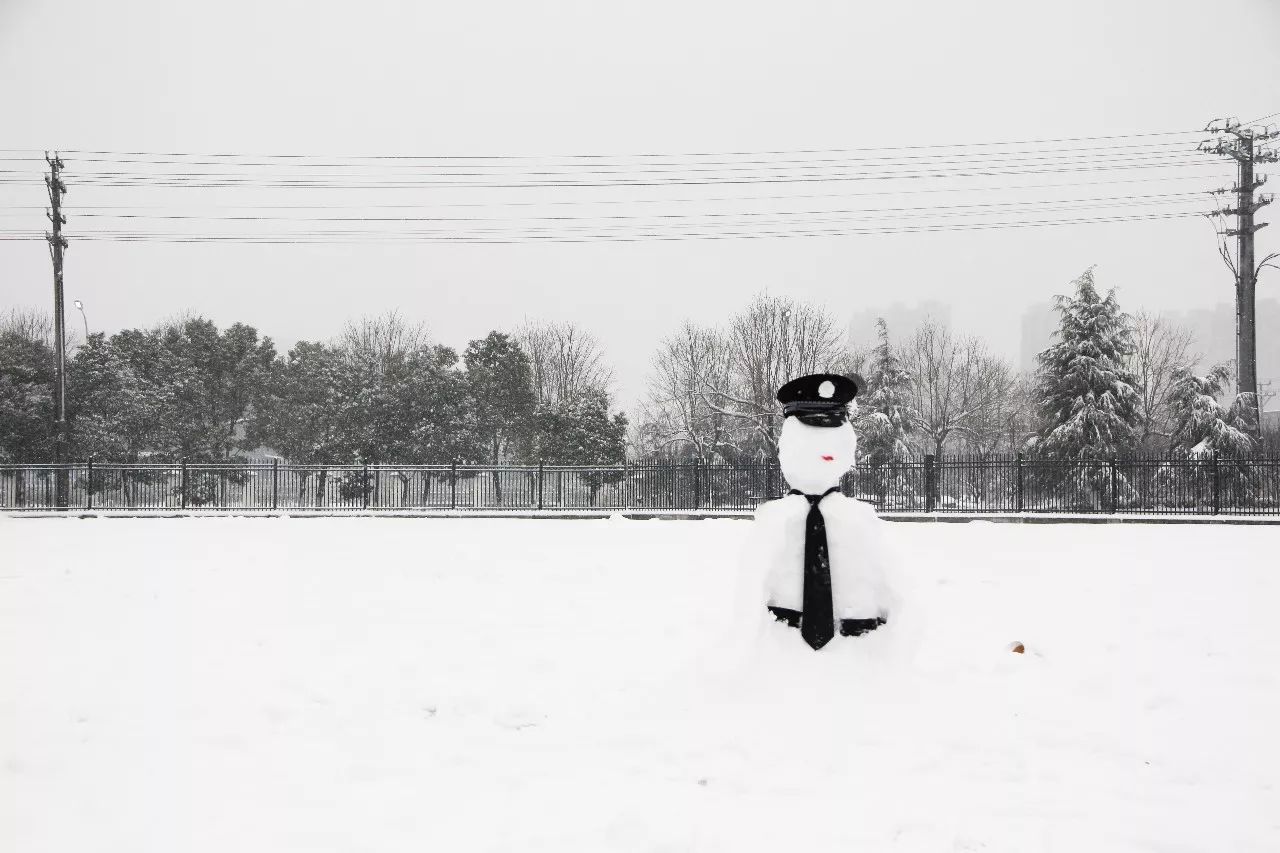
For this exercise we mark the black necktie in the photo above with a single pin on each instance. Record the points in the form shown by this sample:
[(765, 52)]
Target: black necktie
[(817, 622)]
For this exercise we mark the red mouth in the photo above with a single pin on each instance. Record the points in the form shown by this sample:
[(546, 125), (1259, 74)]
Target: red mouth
[(829, 458)]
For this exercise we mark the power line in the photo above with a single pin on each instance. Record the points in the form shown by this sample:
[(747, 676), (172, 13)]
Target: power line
[(1180, 158), (157, 181), (758, 230), (698, 199), (1157, 157), (417, 162), (893, 147), (1130, 200)]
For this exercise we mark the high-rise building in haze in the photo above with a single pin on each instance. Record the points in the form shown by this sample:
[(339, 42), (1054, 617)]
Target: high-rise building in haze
[(1215, 340), (1039, 322), (902, 320)]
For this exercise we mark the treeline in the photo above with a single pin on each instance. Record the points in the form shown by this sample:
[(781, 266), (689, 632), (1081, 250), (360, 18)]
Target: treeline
[(381, 392), (1107, 384)]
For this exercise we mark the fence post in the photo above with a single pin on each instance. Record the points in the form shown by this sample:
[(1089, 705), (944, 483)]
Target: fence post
[(275, 482), (626, 484), (364, 485), (182, 483), (541, 471), (88, 501), (453, 485), (1115, 476), (1018, 485), (930, 483), (697, 486), (1217, 484)]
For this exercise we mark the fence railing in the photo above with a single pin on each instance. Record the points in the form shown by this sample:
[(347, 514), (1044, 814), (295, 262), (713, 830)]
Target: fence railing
[(946, 484)]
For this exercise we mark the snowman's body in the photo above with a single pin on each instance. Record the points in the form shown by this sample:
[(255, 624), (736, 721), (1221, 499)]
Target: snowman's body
[(813, 460), (859, 584)]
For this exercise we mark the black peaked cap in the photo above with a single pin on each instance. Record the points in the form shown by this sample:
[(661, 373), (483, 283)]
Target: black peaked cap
[(804, 398)]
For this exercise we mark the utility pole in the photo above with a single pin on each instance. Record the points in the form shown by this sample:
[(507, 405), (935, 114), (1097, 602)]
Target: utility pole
[(1245, 145), (57, 244)]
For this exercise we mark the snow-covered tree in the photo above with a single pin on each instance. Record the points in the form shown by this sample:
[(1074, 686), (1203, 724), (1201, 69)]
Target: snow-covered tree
[(580, 431), (567, 362), (957, 388), (117, 413), (26, 397), (501, 380), (1087, 398), (1161, 346), (885, 416), (1201, 427), (770, 342), (680, 420)]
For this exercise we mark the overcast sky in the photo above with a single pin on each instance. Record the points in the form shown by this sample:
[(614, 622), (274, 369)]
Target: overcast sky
[(563, 78)]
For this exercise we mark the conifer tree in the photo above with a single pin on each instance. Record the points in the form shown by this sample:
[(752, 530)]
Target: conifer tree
[(1200, 426), (884, 417), (1087, 398)]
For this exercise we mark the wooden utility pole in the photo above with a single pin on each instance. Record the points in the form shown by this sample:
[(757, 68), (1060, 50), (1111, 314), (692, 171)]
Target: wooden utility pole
[(57, 244), (1246, 146)]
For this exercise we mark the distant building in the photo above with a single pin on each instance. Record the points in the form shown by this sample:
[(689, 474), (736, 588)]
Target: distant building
[(1039, 322), (1215, 337), (901, 319)]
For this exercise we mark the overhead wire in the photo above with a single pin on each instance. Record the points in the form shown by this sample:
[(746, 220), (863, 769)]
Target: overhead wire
[(604, 235), (933, 146), (140, 171)]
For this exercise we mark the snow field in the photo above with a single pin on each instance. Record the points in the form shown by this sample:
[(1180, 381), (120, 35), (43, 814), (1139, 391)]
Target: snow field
[(561, 685)]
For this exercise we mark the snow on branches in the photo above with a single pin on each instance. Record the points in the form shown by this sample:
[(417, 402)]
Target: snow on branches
[(1088, 401)]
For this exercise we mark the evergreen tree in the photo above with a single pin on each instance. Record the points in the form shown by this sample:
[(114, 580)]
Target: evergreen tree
[(884, 418), (299, 413), (26, 398), (442, 414), (1087, 398), (213, 376), (1200, 426), (580, 431), (181, 391), (500, 381), (116, 413)]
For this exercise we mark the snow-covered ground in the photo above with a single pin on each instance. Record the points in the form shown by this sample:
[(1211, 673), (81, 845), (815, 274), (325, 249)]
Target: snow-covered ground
[(390, 685)]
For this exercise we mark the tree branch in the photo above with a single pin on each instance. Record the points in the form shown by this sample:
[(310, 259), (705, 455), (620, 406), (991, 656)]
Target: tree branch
[(1267, 262)]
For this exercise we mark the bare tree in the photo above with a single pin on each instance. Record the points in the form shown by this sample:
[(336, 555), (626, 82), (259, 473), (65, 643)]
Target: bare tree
[(1161, 347), (773, 340), (857, 358), (28, 324), (957, 387), (567, 362), (676, 412), (372, 342), (1016, 418)]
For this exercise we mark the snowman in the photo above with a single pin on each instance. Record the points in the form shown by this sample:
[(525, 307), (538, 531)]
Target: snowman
[(820, 553)]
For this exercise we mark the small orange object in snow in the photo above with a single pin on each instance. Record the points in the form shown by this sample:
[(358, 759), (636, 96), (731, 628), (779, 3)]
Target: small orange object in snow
[(1018, 648)]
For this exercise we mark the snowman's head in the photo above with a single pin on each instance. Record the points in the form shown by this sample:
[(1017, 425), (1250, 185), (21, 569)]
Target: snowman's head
[(818, 444)]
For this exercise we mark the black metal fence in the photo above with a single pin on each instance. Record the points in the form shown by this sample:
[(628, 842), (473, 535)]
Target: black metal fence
[(988, 485)]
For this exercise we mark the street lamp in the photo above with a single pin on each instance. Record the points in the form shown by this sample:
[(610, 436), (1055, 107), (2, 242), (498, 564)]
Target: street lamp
[(80, 307)]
